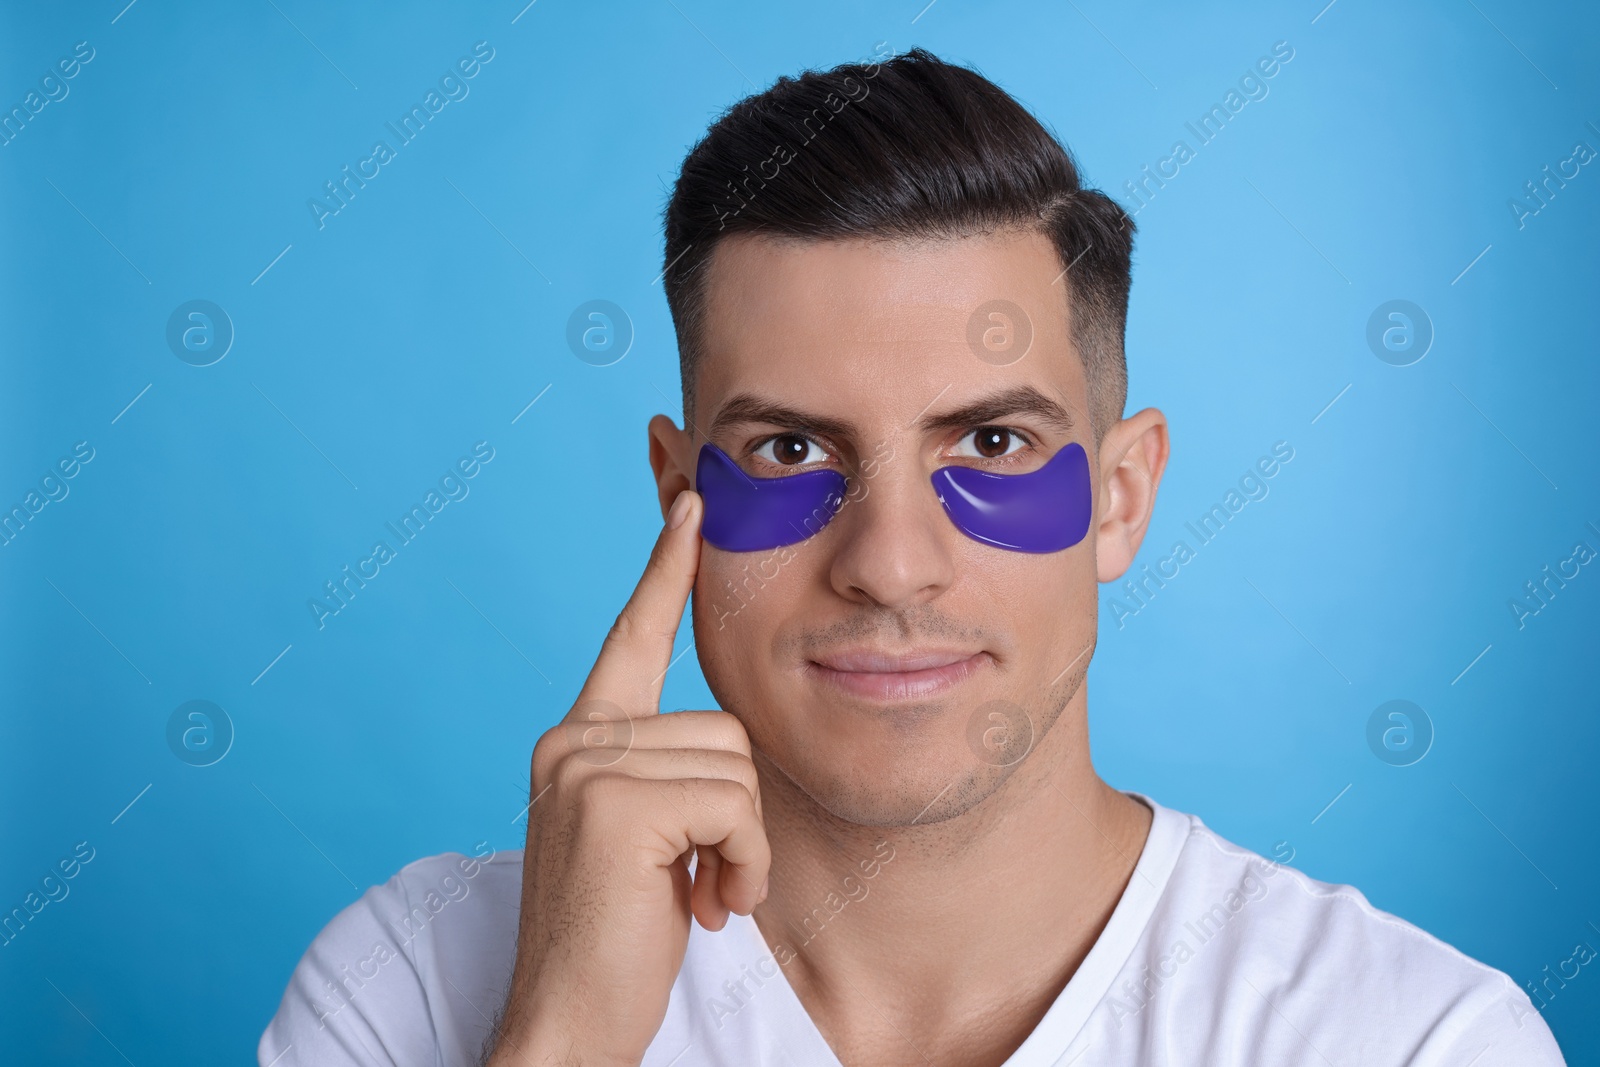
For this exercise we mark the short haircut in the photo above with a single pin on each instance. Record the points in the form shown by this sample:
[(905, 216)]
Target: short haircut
[(910, 148)]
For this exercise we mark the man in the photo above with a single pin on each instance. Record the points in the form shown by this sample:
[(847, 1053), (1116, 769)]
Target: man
[(903, 470)]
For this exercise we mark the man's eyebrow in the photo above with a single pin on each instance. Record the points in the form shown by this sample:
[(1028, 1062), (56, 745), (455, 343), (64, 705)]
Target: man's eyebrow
[(749, 407), (995, 407)]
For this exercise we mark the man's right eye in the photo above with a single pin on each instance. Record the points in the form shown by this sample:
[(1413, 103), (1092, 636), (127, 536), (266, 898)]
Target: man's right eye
[(790, 450)]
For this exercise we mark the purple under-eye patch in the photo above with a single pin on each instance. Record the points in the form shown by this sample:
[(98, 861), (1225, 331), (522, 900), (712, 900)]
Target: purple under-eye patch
[(1042, 511), (746, 514)]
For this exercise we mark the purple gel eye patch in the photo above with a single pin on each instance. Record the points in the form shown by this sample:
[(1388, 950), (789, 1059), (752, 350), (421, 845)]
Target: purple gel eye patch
[(745, 514), (1042, 511)]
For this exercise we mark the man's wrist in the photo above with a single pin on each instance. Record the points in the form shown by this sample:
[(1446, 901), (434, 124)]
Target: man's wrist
[(543, 1051), (544, 1042)]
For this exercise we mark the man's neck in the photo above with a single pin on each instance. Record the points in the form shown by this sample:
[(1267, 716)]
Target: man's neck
[(948, 942)]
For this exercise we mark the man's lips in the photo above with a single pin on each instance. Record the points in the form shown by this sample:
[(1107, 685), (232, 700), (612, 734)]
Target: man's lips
[(896, 677)]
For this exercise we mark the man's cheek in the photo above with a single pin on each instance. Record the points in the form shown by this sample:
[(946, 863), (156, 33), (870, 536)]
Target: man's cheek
[(726, 644), (726, 590), (744, 603), (1051, 613)]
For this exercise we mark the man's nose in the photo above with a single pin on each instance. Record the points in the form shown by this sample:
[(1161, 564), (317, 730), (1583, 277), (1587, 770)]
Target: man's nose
[(894, 545)]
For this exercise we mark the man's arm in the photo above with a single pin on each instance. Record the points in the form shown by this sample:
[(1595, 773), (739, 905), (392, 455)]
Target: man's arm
[(1507, 1032)]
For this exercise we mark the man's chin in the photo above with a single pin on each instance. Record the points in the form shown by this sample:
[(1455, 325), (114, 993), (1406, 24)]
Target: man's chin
[(898, 788)]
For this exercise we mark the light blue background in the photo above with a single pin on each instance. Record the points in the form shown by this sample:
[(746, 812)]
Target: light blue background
[(431, 310)]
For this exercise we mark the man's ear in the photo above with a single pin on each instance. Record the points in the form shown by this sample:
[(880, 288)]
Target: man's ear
[(669, 460), (1133, 454)]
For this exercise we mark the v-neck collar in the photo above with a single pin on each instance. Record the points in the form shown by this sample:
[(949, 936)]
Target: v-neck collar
[(784, 1015)]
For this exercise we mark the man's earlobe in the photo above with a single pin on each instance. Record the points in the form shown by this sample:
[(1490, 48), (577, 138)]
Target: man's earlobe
[(1133, 455), (669, 460)]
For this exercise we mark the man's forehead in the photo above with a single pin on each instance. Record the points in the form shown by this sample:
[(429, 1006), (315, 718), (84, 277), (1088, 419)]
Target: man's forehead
[(856, 327), (890, 287)]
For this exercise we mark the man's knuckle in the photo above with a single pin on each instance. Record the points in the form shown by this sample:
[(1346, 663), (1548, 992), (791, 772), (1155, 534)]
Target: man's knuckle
[(632, 624), (598, 794), (732, 732), (726, 797), (622, 628), (546, 752), (568, 774)]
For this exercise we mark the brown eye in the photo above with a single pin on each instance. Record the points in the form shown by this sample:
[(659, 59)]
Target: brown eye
[(788, 450), (992, 442)]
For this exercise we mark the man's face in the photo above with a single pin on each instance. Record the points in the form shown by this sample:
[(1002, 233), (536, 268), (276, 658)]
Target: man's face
[(822, 648)]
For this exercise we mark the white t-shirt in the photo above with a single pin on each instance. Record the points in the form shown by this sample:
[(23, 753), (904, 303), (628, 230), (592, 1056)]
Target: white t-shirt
[(1214, 956)]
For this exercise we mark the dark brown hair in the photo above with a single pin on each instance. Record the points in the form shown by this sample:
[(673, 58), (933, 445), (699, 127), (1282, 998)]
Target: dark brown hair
[(912, 147)]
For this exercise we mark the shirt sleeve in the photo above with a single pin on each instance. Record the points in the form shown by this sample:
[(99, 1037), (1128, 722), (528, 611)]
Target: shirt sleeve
[(1506, 1032), (356, 996)]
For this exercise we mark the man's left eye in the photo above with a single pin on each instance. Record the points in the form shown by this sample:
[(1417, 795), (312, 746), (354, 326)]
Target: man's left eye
[(990, 442), (790, 450)]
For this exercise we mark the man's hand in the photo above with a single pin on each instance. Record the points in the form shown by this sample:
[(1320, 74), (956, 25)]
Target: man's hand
[(622, 795)]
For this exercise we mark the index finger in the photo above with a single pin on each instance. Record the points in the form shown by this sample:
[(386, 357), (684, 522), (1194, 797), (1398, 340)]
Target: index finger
[(637, 651)]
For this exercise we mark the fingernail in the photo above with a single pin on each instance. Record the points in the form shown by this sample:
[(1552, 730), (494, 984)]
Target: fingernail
[(766, 884), (679, 511)]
